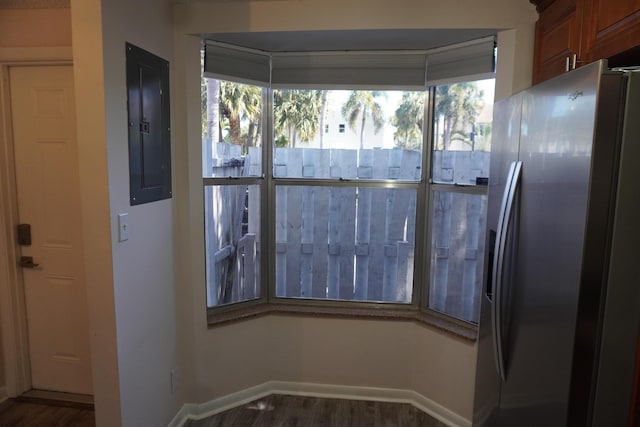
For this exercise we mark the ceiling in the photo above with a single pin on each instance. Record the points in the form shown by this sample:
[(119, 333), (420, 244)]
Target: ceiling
[(300, 41)]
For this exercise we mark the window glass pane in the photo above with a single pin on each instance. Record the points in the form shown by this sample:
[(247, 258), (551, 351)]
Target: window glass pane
[(462, 130), (345, 243), (232, 240), (367, 134), (457, 253), (231, 129)]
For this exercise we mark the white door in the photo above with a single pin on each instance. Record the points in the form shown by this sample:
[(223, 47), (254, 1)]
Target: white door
[(44, 136)]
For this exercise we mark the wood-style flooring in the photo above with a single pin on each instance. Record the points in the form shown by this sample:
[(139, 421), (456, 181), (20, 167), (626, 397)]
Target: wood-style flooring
[(271, 411), (301, 411), (21, 413)]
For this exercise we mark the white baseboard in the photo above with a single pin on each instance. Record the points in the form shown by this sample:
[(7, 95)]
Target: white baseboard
[(439, 412), (184, 414), (206, 409)]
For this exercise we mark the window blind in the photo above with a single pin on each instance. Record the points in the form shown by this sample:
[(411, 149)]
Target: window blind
[(461, 61), (352, 69), (237, 64)]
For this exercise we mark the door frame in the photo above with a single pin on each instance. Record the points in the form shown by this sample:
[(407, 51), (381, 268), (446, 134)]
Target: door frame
[(13, 316)]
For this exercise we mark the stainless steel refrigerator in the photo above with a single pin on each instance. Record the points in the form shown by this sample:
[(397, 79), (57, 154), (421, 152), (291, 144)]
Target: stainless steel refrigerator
[(560, 309)]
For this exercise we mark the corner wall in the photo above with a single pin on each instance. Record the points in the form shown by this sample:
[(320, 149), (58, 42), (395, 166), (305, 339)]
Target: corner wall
[(132, 293), (226, 359), (86, 21), (143, 266)]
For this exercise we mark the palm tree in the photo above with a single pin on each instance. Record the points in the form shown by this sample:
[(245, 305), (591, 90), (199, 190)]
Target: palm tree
[(362, 104), (212, 108), (408, 120), (253, 113), (238, 102), (457, 106), (296, 113)]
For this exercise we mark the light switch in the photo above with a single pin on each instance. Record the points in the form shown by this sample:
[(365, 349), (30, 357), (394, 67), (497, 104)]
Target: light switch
[(123, 227)]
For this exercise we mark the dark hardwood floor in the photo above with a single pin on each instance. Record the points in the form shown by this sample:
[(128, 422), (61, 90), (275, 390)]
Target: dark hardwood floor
[(20, 413), (271, 411), (300, 411)]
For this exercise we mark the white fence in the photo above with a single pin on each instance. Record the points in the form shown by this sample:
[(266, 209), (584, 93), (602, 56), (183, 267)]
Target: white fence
[(457, 253), (349, 242)]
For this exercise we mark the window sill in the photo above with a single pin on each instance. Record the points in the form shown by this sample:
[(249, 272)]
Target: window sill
[(249, 311)]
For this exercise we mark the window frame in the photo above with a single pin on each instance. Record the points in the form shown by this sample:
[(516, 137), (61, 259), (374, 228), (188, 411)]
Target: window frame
[(379, 184), (269, 303), (432, 188), (338, 307), (259, 181)]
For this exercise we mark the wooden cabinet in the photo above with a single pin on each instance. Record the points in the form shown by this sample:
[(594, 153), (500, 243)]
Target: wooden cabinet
[(557, 39), (570, 33), (610, 27)]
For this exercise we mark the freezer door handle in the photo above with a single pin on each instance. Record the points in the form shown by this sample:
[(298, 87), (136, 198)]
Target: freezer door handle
[(504, 221)]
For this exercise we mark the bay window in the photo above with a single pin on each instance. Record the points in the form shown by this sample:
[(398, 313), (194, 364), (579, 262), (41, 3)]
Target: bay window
[(336, 180)]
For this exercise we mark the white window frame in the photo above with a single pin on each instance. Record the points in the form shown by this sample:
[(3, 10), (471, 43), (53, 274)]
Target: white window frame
[(418, 309)]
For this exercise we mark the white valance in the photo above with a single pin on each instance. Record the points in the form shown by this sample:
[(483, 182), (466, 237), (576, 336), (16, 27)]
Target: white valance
[(237, 64), (352, 69)]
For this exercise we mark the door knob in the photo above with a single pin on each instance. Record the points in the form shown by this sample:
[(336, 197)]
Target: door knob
[(27, 262)]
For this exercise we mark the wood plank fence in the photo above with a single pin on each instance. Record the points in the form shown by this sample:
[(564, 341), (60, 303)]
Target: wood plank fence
[(458, 235), (349, 242), (345, 243), (457, 253)]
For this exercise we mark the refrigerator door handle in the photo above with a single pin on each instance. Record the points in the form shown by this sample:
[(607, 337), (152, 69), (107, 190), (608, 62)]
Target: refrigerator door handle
[(504, 220), (497, 267)]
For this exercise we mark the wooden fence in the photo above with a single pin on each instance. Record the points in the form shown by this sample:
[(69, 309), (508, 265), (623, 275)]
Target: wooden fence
[(458, 235), (346, 243), (232, 246), (457, 253), (350, 242)]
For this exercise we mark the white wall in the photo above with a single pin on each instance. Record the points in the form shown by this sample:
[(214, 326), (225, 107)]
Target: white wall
[(131, 290), (443, 369), (86, 22), (47, 27), (350, 138), (224, 359)]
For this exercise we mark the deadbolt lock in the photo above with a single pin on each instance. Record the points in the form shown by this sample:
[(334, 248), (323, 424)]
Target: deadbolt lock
[(24, 234)]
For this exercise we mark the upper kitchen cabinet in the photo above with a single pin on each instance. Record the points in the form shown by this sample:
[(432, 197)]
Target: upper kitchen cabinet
[(610, 27), (558, 30), (570, 33)]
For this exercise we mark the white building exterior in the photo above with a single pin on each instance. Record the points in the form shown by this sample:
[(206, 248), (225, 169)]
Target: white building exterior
[(338, 134)]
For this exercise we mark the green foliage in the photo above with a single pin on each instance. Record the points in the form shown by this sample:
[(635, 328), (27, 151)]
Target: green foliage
[(457, 108), (203, 97), (282, 141), (238, 103), (237, 116), (408, 121), (297, 114)]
